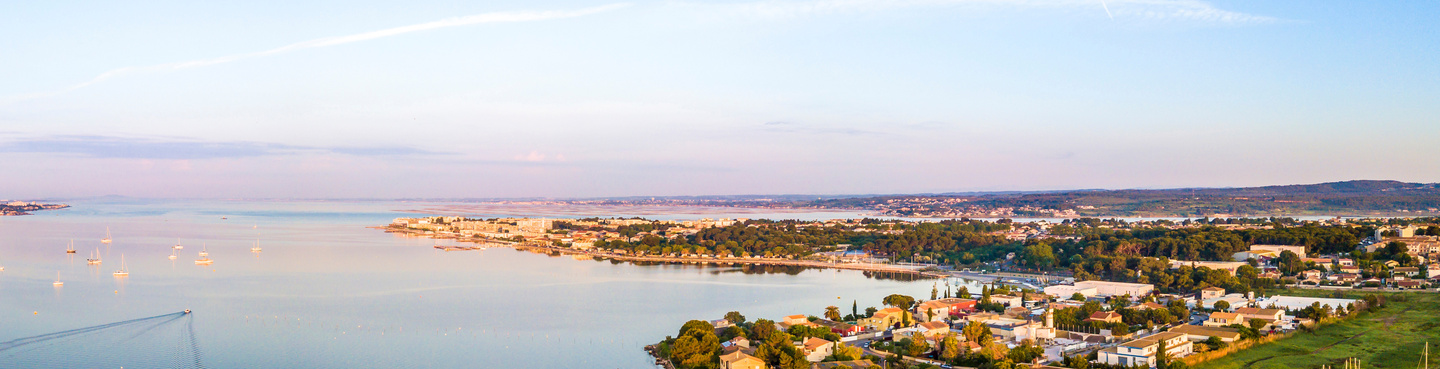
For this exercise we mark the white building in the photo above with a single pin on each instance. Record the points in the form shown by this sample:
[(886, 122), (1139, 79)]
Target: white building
[(1297, 303), (1235, 300), (1063, 292), (1142, 351), (1278, 249), (1107, 289), (1228, 266)]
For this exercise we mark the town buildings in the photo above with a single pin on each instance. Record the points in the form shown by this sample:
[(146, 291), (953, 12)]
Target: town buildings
[(1142, 352)]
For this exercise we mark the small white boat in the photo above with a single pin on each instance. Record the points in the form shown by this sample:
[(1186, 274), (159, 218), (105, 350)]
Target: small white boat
[(172, 255), (58, 283), (204, 261), (203, 253), (106, 240), (122, 273), (257, 247), (177, 245), (70, 249)]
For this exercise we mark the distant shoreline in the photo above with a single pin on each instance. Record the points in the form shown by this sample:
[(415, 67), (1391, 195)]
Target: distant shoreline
[(18, 208), (883, 268)]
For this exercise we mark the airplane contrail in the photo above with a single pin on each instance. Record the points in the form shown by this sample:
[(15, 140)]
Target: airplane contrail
[(1107, 9), (496, 17)]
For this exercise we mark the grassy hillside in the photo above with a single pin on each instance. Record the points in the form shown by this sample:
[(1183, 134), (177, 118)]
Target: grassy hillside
[(1392, 337)]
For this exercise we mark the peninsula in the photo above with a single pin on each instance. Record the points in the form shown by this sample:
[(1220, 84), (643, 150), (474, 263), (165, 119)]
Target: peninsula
[(24, 208)]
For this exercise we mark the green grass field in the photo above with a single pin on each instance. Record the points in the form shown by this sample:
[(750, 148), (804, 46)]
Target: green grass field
[(1392, 337)]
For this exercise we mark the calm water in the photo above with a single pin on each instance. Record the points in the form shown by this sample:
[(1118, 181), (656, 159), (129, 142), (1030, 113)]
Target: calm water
[(328, 292)]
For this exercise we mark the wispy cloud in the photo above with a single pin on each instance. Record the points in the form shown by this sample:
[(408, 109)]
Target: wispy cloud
[(802, 128), (152, 148), (496, 17), (1174, 10)]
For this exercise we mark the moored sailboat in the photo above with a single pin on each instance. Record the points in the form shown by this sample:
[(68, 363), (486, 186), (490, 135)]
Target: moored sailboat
[(70, 249), (204, 259), (122, 272), (106, 240), (94, 258)]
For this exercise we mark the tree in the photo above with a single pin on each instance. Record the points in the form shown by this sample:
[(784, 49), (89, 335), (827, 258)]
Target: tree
[(832, 313), (995, 351), (900, 301), (695, 328), (762, 329), (1396, 248), (696, 345), (903, 302), (949, 348), (934, 291), (870, 311), (844, 352), (735, 318), (964, 293), (977, 333), (1222, 306), (732, 332), (918, 347), (1039, 255), (1289, 263), (1077, 297), (1025, 352), (1162, 358), (1215, 343), (1257, 324), (855, 309)]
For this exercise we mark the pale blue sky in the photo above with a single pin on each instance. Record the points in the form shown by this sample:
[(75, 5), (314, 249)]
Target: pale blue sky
[(595, 98)]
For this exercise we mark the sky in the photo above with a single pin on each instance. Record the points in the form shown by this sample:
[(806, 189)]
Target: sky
[(363, 99)]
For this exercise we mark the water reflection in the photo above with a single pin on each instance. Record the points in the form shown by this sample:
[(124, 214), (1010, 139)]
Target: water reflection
[(331, 293)]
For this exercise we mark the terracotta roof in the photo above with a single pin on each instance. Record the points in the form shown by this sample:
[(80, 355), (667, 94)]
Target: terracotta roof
[(1104, 315), (1224, 315), (1221, 332), (934, 325), (737, 356), (814, 343), (1258, 311)]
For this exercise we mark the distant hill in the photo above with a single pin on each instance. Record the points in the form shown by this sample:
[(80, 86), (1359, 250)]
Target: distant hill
[(1349, 198)]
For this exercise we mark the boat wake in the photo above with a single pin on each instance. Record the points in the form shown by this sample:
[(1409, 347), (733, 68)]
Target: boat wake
[(161, 341)]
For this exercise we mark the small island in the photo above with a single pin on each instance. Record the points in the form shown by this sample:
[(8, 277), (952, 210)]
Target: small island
[(8, 208)]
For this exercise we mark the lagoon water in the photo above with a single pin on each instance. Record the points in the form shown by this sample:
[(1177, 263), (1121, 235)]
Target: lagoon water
[(327, 292)]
